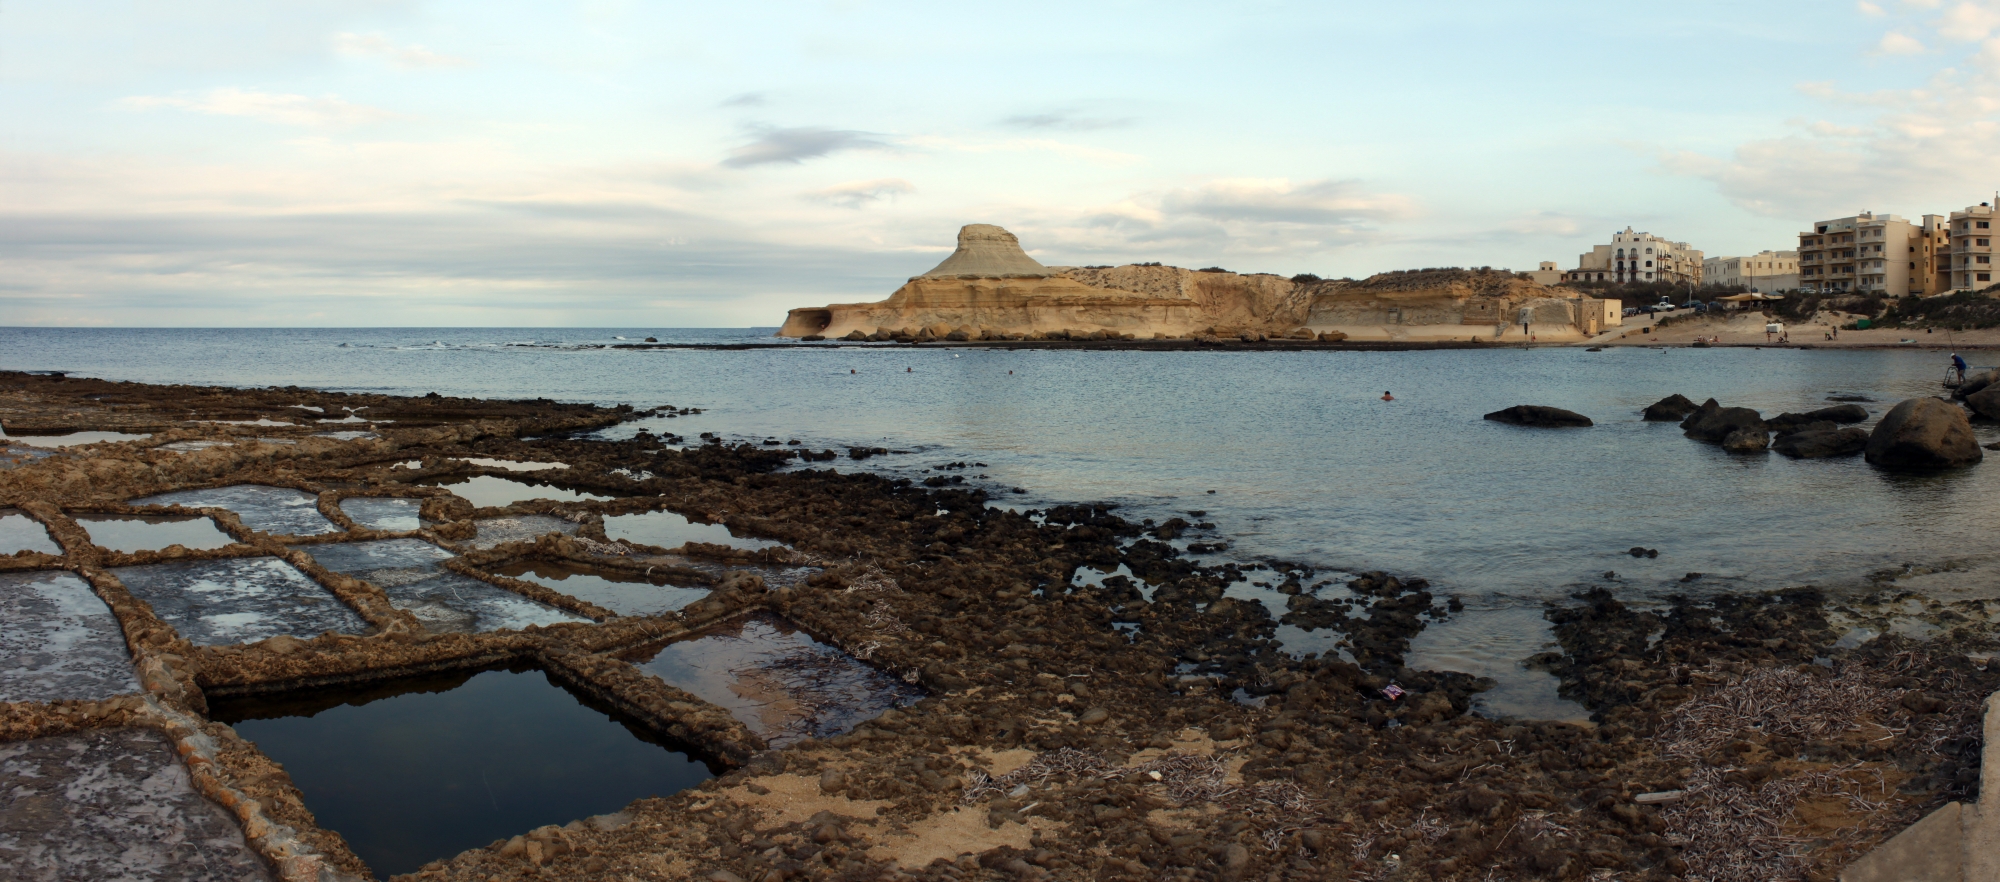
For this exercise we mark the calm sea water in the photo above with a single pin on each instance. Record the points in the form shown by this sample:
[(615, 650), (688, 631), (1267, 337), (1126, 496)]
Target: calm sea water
[(1291, 454)]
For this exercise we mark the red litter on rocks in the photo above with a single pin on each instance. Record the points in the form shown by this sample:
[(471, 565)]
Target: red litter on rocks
[(1392, 692)]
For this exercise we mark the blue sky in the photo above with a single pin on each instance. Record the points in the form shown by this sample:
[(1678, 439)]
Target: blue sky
[(636, 164)]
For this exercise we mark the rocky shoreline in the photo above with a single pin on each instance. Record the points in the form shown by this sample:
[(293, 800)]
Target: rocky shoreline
[(1141, 728)]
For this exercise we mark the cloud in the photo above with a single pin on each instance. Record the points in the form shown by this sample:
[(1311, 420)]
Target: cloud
[(325, 112), (746, 99), (1869, 9), (856, 194), (378, 46), (1065, 120), (1894, 43), (796, 145), (1323, 203), (1969, 21)]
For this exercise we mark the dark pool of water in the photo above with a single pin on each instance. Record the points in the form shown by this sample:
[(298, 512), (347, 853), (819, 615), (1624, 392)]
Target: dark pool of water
[(18, 532), (134, 534), (486, 491), (417, 769), (666, 529)]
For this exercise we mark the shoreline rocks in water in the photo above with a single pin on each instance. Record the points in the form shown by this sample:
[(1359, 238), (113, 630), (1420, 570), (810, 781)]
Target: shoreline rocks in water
[(1672, 408), (1923, 434), (1714, 423), (1540, 417)]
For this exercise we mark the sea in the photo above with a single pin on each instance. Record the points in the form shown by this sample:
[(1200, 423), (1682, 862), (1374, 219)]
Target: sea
[(1293, 455)]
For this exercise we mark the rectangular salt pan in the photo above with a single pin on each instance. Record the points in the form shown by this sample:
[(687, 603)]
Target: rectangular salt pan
[(274, 510), (777, 680), (487, 491), (113, 804), (223, 602), (665, 529), (407, 571), (376, 513), (58, 641), (134, 534), (18, 532), (626, 594), (496, 531)]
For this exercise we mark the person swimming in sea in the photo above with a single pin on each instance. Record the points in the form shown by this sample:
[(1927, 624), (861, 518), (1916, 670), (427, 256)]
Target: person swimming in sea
[(1387, 397)]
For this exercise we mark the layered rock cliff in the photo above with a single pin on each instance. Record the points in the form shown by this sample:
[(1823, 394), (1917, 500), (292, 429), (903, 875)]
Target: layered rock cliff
[(989, 288)]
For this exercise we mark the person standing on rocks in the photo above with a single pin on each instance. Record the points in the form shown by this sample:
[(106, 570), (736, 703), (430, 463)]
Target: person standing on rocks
[(1958, 367)]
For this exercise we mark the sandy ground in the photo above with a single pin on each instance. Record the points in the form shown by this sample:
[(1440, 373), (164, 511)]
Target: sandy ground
[(1747, 329)]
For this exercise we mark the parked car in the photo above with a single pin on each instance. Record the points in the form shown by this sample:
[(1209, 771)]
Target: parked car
[(1631, 311)]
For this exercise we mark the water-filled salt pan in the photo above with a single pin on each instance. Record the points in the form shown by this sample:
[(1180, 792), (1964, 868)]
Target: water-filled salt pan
[(144, 533), (408, 571), (666, 529), (627, 594), (488, 491), (74, 439), (58, 641), (18, 532), (779, 681), (276, 510), (244, 600), (494, 531), (375, 513)]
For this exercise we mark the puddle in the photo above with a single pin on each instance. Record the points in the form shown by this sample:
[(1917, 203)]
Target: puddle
[(513, 466), (1087, 576), (407, 570), (73, 439), (274, 510), (495, 531), (18, 532), (780, 682), (134, 533), (412, 770), (345, 436), (221, 602), (627, 594), (15, 457), (1492, 638), (192, 446), (487, 491), (380, 513), (664, 529), (58, 641), (113, 804)]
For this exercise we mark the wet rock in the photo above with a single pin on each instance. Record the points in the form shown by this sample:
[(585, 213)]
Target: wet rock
[(1822, 442), (1713, 423), (1923, 434), (855, 336), (1985, 402), (1747, 440), (1977, 383), (1672, 408), (1540, 417), (1838, 415)]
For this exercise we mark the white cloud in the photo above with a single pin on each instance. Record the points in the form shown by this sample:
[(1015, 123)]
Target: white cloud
[(856, 194), (1894, 43), (378, 46), (1969, 21), (1869, 9), (324, 112)]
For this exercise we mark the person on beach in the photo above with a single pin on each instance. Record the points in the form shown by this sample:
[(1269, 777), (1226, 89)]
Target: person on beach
[(1387, 397), (1958, 366)]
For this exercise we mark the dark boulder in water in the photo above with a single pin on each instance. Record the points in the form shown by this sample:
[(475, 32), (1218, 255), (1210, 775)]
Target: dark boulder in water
[(1842, 414), (1712, 422), (1985, 402), (1821, 440), (1672, 408), (1540, 417), (1923, 434), (1749, 439)]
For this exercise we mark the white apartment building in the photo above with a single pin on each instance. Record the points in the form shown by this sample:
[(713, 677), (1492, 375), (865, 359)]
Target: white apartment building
[(1871, 253), (1762, 273), (1638, 257), (1969, 262)]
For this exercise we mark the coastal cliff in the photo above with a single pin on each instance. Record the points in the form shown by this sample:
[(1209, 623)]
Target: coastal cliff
[(989, 288)]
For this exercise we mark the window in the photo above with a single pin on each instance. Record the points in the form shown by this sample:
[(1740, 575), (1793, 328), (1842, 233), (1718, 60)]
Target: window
[(1649, 263), (1983, 259), (1982, 241), (1986, 277), (1982, 225)]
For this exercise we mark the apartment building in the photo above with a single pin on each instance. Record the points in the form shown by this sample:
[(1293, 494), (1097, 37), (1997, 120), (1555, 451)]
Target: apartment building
[(1969, 261), (1763, 272), (1638, 257), (1872, 253)]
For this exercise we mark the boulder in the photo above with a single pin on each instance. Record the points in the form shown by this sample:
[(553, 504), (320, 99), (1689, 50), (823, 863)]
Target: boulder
[(1795, 428), (958, 336), (1672, 408), (1539, 417), (1985, 402), (1332, 336), (1712, 422), (1749, 439), (1923, 434), (1303, 334), (1841, 414), (1817, 442), (855, 336), (937, 329), (1976, 382)]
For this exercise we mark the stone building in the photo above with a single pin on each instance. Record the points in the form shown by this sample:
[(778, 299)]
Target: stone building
[(1969, 261), (1638, 257), (1763, 273), (1873, 253)]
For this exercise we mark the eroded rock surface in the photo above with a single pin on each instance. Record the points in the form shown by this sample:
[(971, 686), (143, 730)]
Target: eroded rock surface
[(58, 641)]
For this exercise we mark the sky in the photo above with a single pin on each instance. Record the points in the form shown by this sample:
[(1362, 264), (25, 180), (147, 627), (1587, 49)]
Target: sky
[(346, 163)]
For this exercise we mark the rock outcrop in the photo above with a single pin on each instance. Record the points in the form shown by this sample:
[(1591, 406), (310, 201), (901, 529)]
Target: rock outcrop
[(1923, 434), (1985, 402), (1714, 423), (1821, 440), (1540, 417), (1671, 409), (1840, 414), (989, 288)]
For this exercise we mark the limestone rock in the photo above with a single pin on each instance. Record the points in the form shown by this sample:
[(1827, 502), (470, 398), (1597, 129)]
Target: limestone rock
[(987, 250), (1672, 408), (1540, 417), (1923, 434)]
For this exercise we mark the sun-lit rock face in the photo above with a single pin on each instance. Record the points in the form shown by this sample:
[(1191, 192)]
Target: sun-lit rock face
[(987, 250), (989, 287)]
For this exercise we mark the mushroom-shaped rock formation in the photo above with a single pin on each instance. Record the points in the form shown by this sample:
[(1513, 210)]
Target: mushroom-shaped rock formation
[(988, 251)]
